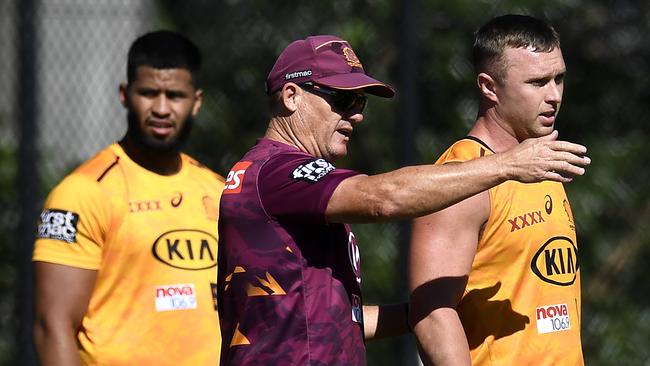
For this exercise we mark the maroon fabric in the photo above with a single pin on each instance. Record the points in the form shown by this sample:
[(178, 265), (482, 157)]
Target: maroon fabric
[(326, 60), (288, 281)]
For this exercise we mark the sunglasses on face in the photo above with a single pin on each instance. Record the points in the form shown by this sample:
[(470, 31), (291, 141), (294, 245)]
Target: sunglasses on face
[(345, 101)]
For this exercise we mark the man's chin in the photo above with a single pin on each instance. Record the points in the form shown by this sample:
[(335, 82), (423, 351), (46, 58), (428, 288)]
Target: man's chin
[(337, 154), (538, 132), (162, 146)]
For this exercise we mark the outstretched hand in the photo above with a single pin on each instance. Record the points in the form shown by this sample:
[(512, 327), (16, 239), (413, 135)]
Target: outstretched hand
[(545, 158)]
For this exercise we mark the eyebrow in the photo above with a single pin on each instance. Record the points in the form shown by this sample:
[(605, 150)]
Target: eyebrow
[(547, 76)]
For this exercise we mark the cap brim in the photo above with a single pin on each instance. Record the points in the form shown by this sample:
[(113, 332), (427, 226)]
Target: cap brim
[(357, 80)]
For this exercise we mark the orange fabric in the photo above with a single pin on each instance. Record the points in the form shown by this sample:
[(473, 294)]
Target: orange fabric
[(521, 305), (153, 241)]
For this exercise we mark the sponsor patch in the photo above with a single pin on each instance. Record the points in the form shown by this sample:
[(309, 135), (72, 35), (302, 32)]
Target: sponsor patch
[(188, 249), (312, 171), (556, 262), (58, 225), (354, 255), (175, 297), (569, 213), (297, 74), (528, 219), (235, 178), (357, 314), (553, 318), (144, 206)]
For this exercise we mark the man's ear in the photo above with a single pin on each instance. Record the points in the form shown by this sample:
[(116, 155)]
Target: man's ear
[(487, 86), (123, 90), (290, 95), (198, 101)]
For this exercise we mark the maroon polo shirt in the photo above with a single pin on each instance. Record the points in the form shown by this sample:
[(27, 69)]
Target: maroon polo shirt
[(289, 281)]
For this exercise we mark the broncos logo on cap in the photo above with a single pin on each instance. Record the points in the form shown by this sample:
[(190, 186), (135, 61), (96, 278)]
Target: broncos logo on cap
[(351, 58), (343, 49)]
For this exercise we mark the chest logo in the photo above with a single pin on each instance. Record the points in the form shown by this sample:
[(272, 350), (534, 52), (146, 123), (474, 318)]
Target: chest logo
[(528, 219), (186, 249), (548, 204), (354, 255), (567, 209), (177, 199), (556, 262), (144, 206), (175, 297), (235, 178), (553, 318)]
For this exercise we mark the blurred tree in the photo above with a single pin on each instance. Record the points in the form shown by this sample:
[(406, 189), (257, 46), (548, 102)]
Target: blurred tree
[(8, 253)]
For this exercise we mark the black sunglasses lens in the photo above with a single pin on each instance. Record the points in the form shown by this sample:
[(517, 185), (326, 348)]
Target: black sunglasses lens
[(342, 101), (349, 102), (360, 102)]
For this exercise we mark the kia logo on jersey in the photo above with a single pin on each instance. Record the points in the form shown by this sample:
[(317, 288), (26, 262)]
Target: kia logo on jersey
[(186, 249), (235, 178), (556, 262)]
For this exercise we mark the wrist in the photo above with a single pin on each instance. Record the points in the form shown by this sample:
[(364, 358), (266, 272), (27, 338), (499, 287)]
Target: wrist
[(503, 169)]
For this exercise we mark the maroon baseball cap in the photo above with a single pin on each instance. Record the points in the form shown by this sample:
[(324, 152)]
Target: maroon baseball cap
[(325, 60)]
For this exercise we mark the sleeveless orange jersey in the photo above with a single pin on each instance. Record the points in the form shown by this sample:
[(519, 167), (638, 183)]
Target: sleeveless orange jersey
[(153, 241), (521, 305)]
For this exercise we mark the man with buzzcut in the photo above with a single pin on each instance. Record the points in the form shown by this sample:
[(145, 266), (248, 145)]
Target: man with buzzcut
[(495, 278), (289, 282)]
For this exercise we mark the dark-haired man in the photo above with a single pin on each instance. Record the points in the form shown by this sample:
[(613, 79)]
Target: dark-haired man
[(127, 243), (289, 283), (495, 278)]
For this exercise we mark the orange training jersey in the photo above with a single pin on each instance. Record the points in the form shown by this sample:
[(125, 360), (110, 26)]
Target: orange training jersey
[(153, 241), (521, 305)]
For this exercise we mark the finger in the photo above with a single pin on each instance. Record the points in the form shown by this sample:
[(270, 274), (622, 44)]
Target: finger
[(572, 158), (567, 146), (566, 168), (556, 177)]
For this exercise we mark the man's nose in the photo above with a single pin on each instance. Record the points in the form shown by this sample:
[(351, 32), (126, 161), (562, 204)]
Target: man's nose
[(161, 106), (356, 118), (554, 95)]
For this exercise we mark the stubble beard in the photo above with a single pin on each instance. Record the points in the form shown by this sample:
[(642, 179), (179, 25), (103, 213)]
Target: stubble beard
[(175, 145)]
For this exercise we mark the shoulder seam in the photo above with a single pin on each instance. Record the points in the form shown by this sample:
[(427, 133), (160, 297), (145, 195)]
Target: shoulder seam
[(479, 141), (117, 159)]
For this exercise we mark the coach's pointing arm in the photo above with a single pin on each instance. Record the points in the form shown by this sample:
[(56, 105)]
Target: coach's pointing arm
[(420, 190)]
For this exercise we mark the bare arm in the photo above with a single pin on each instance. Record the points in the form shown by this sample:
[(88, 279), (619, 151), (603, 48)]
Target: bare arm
[(420, 190), (381, 321), (62, 295), (443, 246)]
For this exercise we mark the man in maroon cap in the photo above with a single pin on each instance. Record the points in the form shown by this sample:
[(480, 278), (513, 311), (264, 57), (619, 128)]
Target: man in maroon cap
[(289, 266)]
